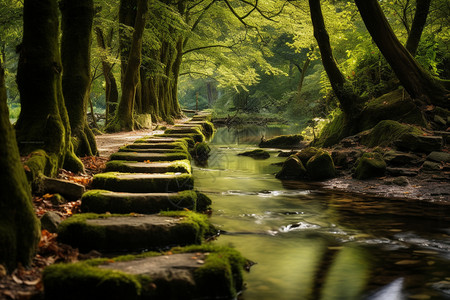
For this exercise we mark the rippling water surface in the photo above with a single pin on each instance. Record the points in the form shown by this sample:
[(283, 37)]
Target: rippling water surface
[(310, 244)]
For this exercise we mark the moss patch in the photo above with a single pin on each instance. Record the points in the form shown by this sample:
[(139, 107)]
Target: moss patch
[(386, 132), (305, 154), (143, 183), (282, 141), (256, 154), (320, 166), (370, 165), (292, 169), (101, 201)]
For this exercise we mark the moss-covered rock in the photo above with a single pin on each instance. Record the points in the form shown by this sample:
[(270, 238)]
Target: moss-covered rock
[(292, 169), (176, 166), (184, 130), (207, 127), (197, 137), (282, 142), (151, 157), (201, 151), (305, 154), (143, 182), (155, 145), (333, 132), (193, 272), (320, 166), (370, 165), (419, 143), (134, 232), (102, 201), (386, 132), (256, 154)]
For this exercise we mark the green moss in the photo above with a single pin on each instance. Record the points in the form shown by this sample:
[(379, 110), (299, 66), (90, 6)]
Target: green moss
[(102, 201), (305, 154), (386, 132), (201, 151), (282, 141), (82, 281), (142, 183), (196, 137), (292, 169), (320, 166), (134, 156), (370, 165), (332, 132), (256, 154), (195, 220)]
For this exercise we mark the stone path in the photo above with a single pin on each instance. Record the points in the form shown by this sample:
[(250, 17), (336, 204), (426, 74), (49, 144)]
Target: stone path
[(146, 201)]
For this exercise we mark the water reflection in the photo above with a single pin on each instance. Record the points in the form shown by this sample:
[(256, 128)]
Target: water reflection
[(314, 245)]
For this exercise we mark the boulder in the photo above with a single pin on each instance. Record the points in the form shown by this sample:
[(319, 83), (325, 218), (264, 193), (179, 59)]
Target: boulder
[(306, 154), (200, 152), (431, 166), (402, 172), (282, 142), (370, 165), (387, 132), (50, 221), (256, 154), (398, 158), (419, 143), (292, 169), (345, 157), (439, 156), (320, 166)]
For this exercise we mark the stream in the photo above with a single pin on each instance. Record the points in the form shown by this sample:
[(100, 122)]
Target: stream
[(312, 244)]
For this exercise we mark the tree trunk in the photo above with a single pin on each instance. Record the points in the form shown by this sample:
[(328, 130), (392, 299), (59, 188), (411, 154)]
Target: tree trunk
[(212, 92), (417, 81), (131, 78), (417, 26), (349, 102), (176, 109), (111, 91), (43, 122), (77, 17), (302, 76), (19, 227), (127, 19)]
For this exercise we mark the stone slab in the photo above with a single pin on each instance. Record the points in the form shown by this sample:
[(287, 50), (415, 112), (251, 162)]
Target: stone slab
[(155, 145), (177, 166), (102, 201), (140, 157), (68, 189), (151, 150)]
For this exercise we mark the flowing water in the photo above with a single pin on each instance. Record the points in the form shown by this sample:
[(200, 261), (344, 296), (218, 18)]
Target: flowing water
[(312, 244)]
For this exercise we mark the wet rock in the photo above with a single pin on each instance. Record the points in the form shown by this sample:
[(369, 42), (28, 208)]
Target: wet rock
[(400, 181), (418, 143), (68, 189), (431, 166), (321, 166), (345, 157), (50, 221), (439, 156), (402, 172), (256, 154), (387, 132), (292, 169), (370, 165), (397, 158), (201, 151), (282, 142), (286, 154)]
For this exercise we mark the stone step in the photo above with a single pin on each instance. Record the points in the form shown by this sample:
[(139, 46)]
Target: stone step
[(151, 150), (172, 145), (132, 156), (195, 272), (125, 166), (101, 201), (183, 130), (142, 182), (196, 137), (134, 232), (201, 117), (158, 139)]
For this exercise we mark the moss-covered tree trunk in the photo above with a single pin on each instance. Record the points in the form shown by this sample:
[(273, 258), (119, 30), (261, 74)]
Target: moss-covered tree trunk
[(417, 26), (19, 227), (124, 116), (416, 80), (176, 109), (349, 102), (77, 17), (43, 126), (127, 19), (111, 91)]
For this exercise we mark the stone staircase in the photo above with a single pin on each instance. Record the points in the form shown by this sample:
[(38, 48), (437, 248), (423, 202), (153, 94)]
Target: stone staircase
[(143, 205)]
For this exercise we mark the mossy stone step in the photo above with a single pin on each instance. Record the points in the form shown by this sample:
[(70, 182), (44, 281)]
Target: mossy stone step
[(132, 156), (158, 139), (101, 201), (107, 233), (194, 272), (152, 150), (201, 117), (142, 182), (208, 127), (157, 145), (196, 137), (177, 166), (182, 130)]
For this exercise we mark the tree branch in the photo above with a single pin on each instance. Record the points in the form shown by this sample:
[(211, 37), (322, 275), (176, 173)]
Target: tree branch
[(206, 47)]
